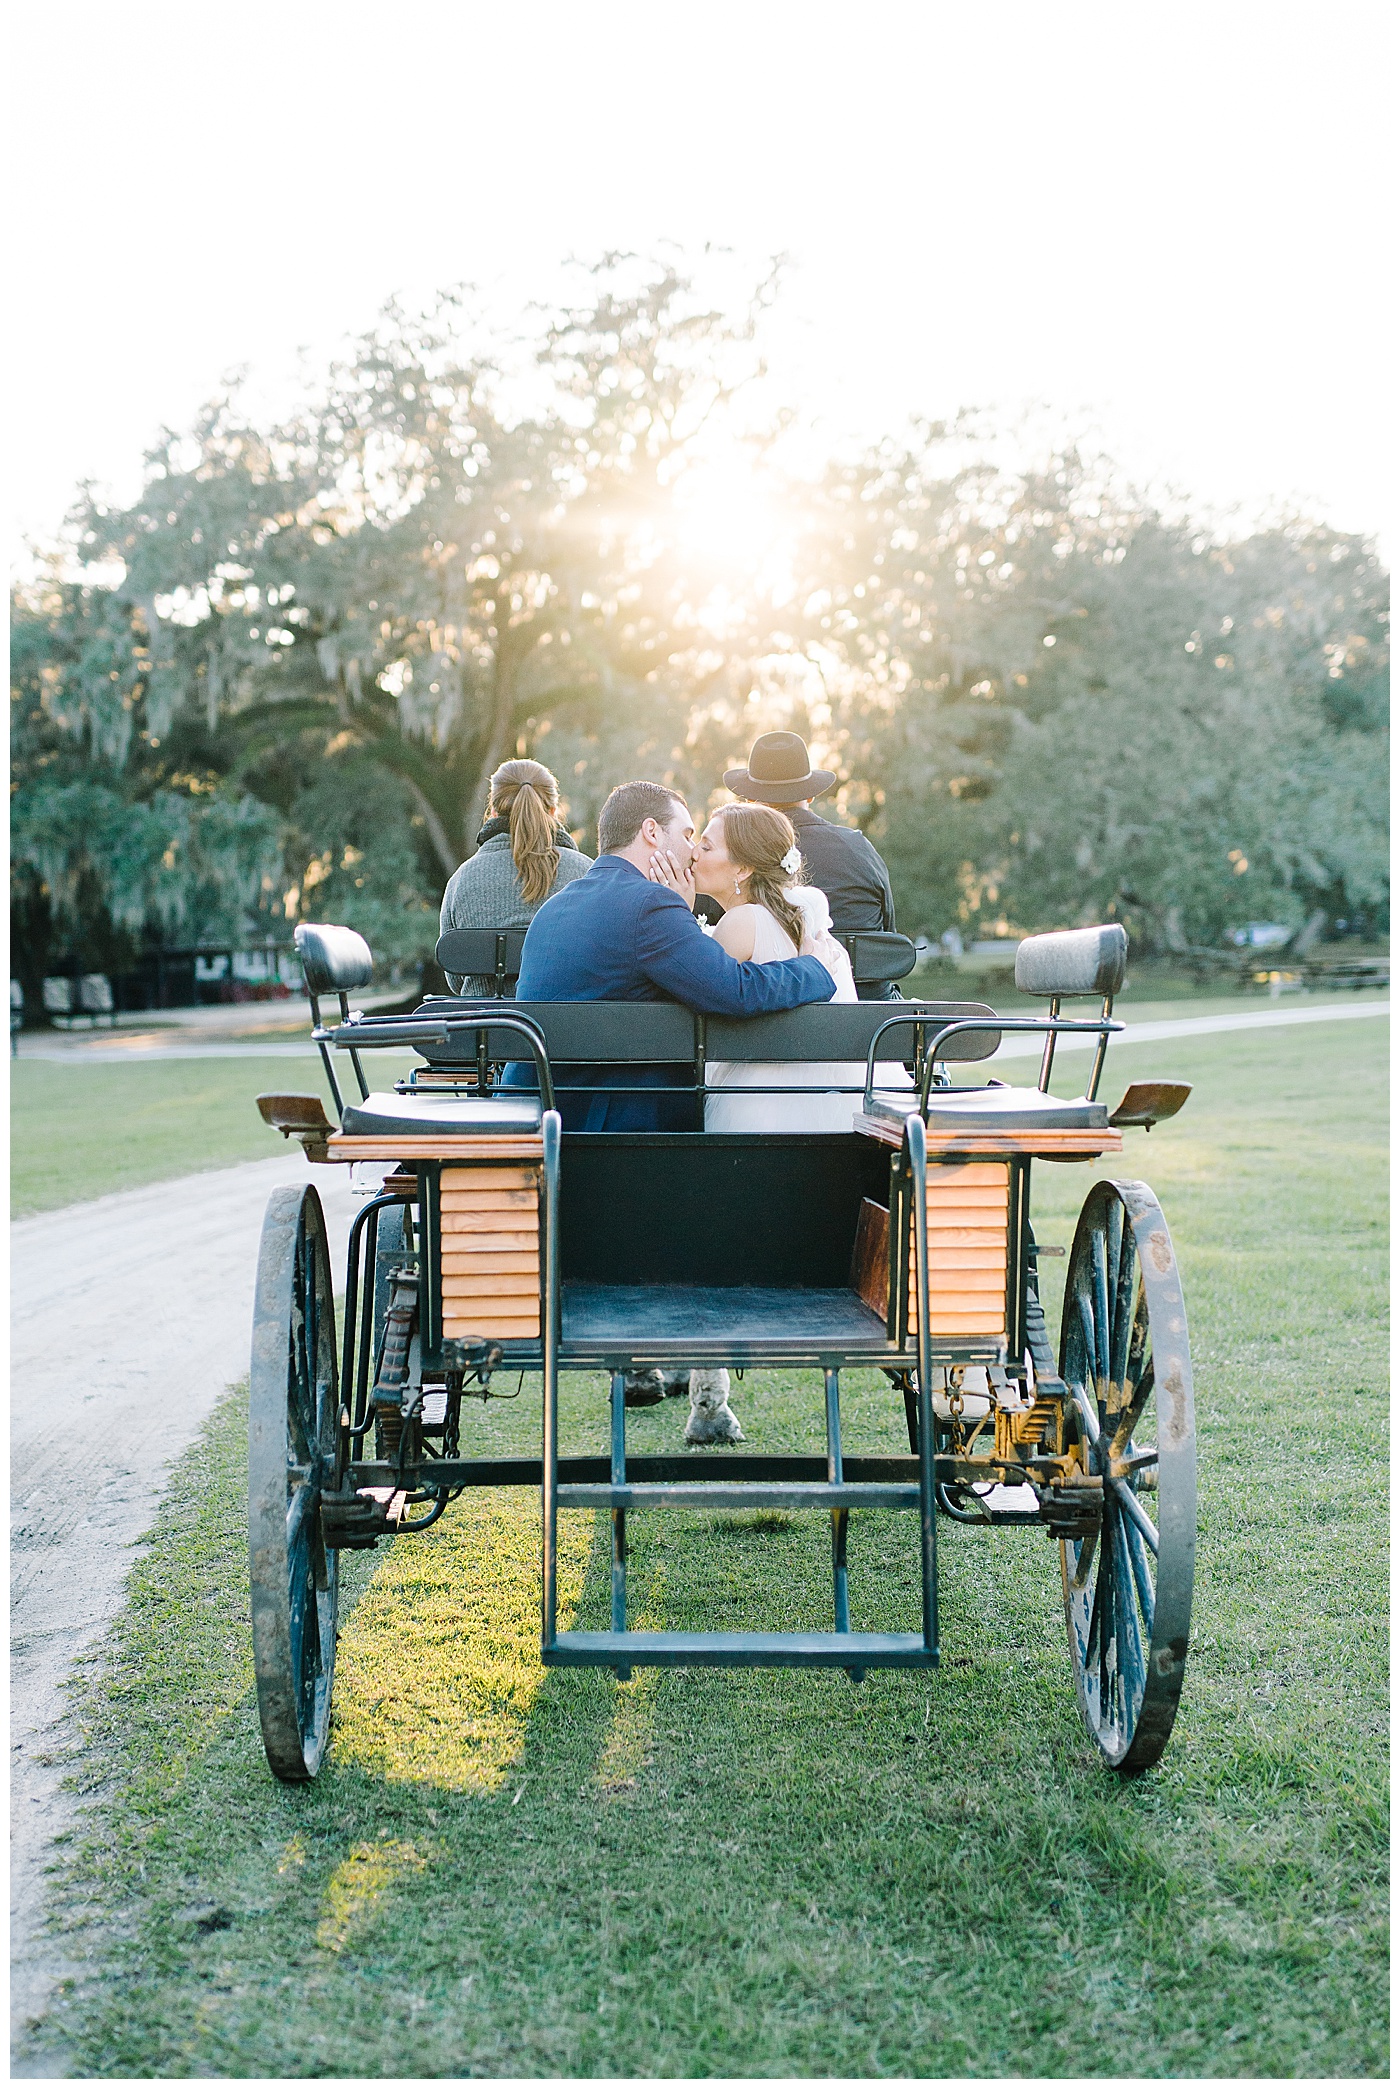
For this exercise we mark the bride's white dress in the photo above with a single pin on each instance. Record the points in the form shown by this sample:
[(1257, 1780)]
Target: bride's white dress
[(826, 1108)]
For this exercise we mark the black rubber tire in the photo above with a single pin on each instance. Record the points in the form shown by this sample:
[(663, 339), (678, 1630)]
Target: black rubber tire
[(1123, 1342), (292, 1437)]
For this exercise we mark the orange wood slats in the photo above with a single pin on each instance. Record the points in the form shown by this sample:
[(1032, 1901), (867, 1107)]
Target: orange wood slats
[(965, 1258), (522, 1264), (494, 1243), (967, 1248), (965, 1281), (505, 1208), (1047, 1145), (348, 1146), (985, 1174), (458, 1283), (464, 1324), (985, 1229), (465, 1187), (490, 1251)]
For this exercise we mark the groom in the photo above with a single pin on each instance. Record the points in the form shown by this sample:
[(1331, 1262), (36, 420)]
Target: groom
[(614, 935)]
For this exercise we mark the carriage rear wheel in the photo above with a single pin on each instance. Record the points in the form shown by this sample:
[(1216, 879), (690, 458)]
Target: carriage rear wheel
[(1127, 1584), (292, 1440)]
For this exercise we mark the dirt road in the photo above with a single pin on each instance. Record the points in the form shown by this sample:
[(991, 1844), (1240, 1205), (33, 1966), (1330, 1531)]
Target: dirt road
[(129, 1316)]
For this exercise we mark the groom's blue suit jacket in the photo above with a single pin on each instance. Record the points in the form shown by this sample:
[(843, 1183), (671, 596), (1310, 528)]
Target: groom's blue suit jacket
[(614, 936)]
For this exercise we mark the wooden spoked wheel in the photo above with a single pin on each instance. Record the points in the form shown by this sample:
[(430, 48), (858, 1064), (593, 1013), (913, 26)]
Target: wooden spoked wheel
[(1127, 1585), (292, 1444)]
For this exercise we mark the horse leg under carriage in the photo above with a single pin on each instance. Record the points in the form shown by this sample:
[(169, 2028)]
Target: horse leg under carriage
[(501, 1240)]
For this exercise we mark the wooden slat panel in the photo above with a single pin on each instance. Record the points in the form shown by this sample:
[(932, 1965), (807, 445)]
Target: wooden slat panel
[(491, 1316), (477, 1283), (968, 1212), (494, 1327), (490, 1265), (465, 1184), (970, 1258), (1047, 1145), (490, 1250), (493, 1208), (992, 1260), (470, 1246), (346, 1146), (970, 1237)]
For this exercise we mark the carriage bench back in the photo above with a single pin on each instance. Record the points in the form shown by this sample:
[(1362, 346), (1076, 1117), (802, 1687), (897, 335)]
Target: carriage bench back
[(877, 956), (661, 1033)]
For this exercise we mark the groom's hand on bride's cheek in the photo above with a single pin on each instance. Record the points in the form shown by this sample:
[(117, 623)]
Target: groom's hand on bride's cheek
[(665, 870)]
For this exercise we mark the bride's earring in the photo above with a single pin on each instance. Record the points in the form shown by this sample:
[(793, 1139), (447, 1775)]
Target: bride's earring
[(738, 889)]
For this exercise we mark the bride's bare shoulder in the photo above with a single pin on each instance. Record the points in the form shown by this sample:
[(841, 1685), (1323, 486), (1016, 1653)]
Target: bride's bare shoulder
[(736, 932)]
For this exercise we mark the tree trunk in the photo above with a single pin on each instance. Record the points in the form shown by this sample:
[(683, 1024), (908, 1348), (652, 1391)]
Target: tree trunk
[(437, 833), (497, 744)]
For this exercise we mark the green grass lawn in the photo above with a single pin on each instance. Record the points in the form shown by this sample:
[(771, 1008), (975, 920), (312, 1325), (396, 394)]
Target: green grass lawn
[(502, 1871), (83, 1128)]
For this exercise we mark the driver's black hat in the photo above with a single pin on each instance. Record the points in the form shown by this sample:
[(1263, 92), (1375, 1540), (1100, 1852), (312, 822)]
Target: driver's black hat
[(779, 772)]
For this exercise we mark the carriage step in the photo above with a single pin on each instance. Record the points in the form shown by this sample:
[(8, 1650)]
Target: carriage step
[(740, 1650), (743, 1494)]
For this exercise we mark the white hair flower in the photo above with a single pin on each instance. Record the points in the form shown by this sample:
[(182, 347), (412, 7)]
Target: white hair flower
[(792, 862)]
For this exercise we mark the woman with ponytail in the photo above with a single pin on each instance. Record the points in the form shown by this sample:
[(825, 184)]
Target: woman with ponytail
[(523, 857)]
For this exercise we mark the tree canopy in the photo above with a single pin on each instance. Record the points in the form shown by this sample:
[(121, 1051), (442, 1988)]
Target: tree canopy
[(275, 686)]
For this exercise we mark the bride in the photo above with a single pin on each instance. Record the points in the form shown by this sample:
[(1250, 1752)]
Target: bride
[(747, 860)]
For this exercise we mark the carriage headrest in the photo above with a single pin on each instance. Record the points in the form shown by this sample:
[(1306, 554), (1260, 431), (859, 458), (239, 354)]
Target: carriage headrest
[(333, 959), (878, 955), (474, 951), (1074, 961)]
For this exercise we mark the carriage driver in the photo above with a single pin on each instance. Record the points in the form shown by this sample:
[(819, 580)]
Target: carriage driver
[(615, 935), (839, 861)]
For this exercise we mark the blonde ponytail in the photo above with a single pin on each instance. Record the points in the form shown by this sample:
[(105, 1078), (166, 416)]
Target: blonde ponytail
[(525, 794)]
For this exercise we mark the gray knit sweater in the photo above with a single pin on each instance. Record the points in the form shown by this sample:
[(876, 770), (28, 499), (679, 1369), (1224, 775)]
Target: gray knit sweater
[(485, 893)]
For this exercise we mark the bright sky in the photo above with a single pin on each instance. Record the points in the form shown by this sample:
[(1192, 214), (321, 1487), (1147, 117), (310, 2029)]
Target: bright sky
[(1164, 222)]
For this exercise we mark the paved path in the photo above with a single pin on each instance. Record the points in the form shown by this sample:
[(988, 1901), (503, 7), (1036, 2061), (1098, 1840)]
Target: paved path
[(1192, 1026), (129, 1316), (118, 1050), (112, 1048)]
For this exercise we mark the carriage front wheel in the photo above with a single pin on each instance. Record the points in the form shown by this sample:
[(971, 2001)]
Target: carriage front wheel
[(1127, 1582), (292, 1432)]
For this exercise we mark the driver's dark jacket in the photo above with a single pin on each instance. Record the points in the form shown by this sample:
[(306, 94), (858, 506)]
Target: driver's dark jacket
[(614, 936), (845, 866)]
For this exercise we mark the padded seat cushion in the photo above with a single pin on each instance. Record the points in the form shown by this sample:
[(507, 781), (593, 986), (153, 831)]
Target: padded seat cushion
[(448, 1116), (1014, 1110)]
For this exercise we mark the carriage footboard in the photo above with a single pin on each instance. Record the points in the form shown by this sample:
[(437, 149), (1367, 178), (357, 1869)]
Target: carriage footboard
[(621, 1649)]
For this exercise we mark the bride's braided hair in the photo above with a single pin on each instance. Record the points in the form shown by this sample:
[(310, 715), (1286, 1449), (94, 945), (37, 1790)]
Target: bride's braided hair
[(757, 838)]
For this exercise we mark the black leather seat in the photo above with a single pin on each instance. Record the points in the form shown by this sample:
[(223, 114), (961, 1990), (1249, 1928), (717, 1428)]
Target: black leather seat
[(418, 1116), (483, 953), (1014, 1110)]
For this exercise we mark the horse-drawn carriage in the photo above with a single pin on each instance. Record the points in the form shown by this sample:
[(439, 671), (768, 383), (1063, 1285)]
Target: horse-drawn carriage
[(500, 1240)]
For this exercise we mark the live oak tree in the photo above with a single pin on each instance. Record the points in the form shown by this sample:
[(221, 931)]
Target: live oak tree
[(281, 684), (355, 617), (1059, 706)]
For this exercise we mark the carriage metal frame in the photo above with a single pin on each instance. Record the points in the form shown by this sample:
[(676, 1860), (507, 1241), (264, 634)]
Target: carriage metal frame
[(617, 1297)]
